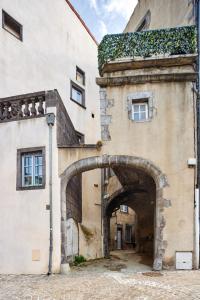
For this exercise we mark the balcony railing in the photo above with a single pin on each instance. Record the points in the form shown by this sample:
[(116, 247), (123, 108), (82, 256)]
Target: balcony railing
[(171, 41), (22, 107)]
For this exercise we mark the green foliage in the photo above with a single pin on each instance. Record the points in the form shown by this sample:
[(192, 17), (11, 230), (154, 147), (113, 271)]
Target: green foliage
[(171, 41), (79, 259)]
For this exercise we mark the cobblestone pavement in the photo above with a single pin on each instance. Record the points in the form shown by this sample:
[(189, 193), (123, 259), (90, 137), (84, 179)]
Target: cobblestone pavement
[(107, 285)]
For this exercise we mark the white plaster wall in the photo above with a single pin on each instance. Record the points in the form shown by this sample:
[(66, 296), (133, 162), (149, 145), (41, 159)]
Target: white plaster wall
[(24, 220), (54, 43)]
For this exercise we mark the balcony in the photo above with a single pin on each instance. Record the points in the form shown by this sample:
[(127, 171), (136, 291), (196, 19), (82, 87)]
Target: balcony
[(170, 42)]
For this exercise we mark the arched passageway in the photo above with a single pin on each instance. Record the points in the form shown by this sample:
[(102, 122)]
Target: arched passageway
[(138, 176), (130, 216)]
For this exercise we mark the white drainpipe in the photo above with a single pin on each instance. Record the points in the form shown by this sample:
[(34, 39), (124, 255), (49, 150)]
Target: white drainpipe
[(50, 118)]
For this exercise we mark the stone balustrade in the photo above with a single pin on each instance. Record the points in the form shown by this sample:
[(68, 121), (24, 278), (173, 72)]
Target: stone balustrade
[(22, 107)]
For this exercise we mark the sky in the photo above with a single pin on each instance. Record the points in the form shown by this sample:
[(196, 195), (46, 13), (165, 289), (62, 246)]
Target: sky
[(105, 16)]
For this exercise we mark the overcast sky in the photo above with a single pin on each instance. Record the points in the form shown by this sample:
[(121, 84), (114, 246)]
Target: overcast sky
[(105, 16)]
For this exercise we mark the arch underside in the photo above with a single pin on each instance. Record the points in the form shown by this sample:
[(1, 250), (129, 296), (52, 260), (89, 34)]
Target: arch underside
[(139, 178)]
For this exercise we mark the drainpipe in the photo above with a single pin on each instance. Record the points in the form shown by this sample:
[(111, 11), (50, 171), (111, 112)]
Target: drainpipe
[(196, 206), (50, 118), (196, 217)]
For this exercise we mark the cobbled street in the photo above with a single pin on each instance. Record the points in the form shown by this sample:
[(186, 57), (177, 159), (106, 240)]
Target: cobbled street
[(112, 285)]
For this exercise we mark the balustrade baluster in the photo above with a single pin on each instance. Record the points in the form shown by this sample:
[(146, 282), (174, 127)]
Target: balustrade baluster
[(6, 113), (40, 107), (26, 109), (33, 109), (20, 112), (1, 111)]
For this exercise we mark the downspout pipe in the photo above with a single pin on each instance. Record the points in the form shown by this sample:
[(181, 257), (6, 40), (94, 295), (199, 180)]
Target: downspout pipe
[(50, 118), (196, 218), (197, 194)]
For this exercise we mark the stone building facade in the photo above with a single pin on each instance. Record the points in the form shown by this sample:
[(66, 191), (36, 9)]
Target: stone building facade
[(69, 160)]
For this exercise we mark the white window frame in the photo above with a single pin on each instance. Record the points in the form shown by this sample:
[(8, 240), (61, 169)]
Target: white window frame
[(139, 112), (77, 95), (139, 97), (33, 166)]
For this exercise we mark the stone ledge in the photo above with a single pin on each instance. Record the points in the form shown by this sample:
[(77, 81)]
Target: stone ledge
[(87, 146), (151, 78), (130, 63)]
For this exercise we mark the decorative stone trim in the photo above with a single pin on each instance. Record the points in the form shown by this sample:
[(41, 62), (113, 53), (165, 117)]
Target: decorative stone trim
[(134, 97), (22, 107), (150, 78)]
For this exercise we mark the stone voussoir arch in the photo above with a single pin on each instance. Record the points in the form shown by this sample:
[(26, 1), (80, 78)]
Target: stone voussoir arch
[(106, 161)]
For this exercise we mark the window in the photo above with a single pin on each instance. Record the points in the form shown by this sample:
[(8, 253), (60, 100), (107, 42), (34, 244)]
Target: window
[(81, 137), (124, 208), (31, 168), (140, 106), (145, 22), (140, 111), (142, 26), (128, 233), (80, 76), (77, 94), (11, 25)]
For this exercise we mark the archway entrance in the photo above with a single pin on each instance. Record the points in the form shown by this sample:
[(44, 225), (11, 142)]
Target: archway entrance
[(131, 216), (136, 173)]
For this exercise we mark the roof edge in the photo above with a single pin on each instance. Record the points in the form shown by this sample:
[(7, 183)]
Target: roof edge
[(81, 20)]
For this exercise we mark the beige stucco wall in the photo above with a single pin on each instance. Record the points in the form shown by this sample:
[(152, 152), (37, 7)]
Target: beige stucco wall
[(91, 216), (24, 220), (168, 141), (164, 13), (90, 246), (54, 43)]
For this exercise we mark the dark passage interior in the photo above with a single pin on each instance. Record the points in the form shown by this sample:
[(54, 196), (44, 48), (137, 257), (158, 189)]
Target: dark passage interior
[(130, 212)]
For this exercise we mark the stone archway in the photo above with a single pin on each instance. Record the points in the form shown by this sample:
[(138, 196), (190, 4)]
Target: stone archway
[(106, 161)]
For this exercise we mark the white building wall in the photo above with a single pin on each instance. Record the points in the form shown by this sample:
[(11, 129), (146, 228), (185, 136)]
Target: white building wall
[(54, 43), (24, 220)]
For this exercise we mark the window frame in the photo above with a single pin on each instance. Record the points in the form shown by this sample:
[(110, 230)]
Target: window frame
[(4, 15), (125, 211), (81, 137), (144, 23), (145, 96), (75, 86), (78, 70), (20, 170), (140, 103)]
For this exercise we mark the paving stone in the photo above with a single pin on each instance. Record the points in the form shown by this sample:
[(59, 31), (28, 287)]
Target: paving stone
[(85, 285)]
